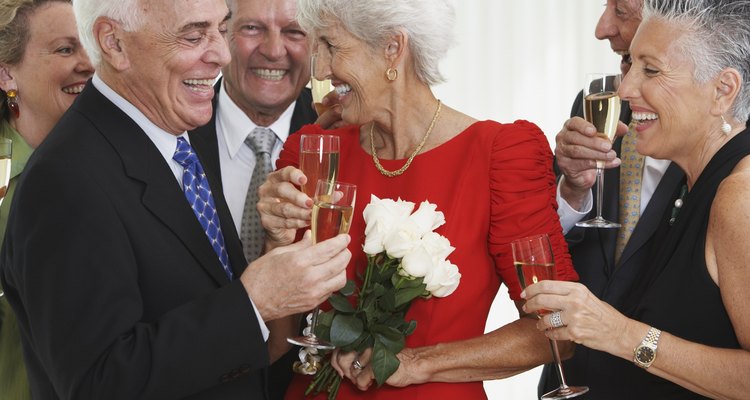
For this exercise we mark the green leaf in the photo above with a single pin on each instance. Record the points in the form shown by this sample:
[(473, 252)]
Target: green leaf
[(390, 337), (340, 303), (345, 329), (384, 363), (410, 327), (348, 289), (323, 330), (405, 296)]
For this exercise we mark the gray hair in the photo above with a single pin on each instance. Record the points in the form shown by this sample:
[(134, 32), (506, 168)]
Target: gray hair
[(717, 37), (428, 23), (127, 12)]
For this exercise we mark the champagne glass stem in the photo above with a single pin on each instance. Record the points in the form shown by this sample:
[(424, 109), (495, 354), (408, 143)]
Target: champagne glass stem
[(314, 322), (599, 191), (558, 364)]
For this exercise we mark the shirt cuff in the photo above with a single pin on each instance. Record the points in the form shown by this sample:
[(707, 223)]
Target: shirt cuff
[(263, 328), (568, 215)]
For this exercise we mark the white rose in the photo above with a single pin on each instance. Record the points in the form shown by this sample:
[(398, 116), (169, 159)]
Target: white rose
[(437, 246), (442, 279), (416, 264), (402, 240), (426, 219), (382, 217)]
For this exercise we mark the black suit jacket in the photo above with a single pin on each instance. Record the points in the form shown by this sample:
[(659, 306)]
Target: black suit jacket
[(118, 292), (592, 251), (206, 145)]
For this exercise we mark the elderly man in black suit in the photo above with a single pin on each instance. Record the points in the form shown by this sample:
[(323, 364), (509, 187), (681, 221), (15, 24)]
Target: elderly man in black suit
[(120, 262)]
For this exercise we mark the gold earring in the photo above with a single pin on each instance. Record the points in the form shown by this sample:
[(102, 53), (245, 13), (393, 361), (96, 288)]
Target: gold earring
[(11, 94), (391, 74)]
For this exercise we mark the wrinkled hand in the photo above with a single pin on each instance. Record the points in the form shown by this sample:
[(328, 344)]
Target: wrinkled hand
[(405, 375), (343, 363), (283, 207), (331, 118), (577, 148), (586, 319), (296, 278)]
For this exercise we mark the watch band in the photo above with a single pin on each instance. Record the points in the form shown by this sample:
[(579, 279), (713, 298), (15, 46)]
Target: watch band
[(645, 353)]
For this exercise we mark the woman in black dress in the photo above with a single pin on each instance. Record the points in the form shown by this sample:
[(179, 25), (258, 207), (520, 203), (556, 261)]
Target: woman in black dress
[(687, 320)]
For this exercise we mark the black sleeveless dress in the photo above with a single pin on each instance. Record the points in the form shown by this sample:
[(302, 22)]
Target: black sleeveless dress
[(677, 295)]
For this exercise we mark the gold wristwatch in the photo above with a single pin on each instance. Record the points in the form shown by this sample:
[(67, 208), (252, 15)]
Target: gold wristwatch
[(645, 353)]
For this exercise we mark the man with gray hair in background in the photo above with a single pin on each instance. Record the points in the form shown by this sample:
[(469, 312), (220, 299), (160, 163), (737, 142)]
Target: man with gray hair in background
[(119, 260)]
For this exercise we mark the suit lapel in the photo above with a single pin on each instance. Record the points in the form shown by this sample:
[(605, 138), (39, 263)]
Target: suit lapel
[(654, 212), (303, 112), (143, 162)]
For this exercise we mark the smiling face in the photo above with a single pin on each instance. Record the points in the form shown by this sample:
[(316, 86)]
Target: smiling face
[(172, 61), (671, 111), (270, 58), (618, 24), (53, 70), (356, 70)]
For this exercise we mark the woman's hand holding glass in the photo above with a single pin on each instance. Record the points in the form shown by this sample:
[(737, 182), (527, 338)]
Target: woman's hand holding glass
[(283, 207), (587, 320), (535, 262)]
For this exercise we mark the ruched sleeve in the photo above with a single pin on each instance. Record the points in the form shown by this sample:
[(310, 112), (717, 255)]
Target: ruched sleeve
[(522, 185)]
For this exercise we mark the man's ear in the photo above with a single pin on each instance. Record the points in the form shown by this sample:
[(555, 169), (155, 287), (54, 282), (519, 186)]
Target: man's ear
[(107, 33)]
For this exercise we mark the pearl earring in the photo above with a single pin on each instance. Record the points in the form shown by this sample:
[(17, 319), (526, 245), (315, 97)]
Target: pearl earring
[(725, 127)]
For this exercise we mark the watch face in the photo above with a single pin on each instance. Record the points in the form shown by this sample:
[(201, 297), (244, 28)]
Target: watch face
[(645, 354)]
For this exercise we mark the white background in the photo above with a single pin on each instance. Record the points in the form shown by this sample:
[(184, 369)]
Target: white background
[(522, 59)]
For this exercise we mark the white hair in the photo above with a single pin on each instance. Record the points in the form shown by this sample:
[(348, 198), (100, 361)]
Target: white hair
[(428, 23), (126, 12), (717, 37)]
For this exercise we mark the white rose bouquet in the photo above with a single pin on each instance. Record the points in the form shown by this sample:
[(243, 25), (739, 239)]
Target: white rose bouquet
[(405, 260)]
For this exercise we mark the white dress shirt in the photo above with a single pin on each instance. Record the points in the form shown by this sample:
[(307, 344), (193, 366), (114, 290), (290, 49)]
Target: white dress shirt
[(237, 160), (653, 170), (166, 143)]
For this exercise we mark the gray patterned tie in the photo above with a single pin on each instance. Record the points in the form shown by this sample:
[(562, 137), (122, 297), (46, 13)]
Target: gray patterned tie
[(261, 141)]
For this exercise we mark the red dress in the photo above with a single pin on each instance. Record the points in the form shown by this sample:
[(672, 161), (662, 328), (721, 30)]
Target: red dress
[(494, 183)]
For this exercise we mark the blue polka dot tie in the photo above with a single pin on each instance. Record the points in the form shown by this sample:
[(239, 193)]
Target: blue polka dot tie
[(631, 177), (198, 194)]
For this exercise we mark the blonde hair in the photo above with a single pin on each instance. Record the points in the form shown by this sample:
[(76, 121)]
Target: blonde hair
[(14, 33)]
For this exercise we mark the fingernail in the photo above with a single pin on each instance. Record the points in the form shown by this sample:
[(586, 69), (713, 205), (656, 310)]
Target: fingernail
[(523, 295)]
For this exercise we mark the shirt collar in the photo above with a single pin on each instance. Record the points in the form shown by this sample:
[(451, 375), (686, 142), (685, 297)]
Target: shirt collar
[(164, 141), (235, 125)]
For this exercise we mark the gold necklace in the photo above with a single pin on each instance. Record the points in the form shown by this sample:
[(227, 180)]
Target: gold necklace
[(401, 170)]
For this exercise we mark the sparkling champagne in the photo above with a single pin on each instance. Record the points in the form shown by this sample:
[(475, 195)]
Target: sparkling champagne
[(603, 111), (4, 176), (329, 220), (529, 274), (319, 90), (316, 165)]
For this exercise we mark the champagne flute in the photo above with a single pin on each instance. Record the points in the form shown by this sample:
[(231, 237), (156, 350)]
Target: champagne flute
[(333, 208), (6, 151), (319, 88), (601, 107), (318, 159), (534, 262)]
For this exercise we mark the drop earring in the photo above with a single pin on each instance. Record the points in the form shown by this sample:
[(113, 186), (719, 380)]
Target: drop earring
[(12, 95), (725, 127)]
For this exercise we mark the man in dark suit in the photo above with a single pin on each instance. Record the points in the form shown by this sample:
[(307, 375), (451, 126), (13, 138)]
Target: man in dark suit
[(115, 261), (263, 86), (608, 272)]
